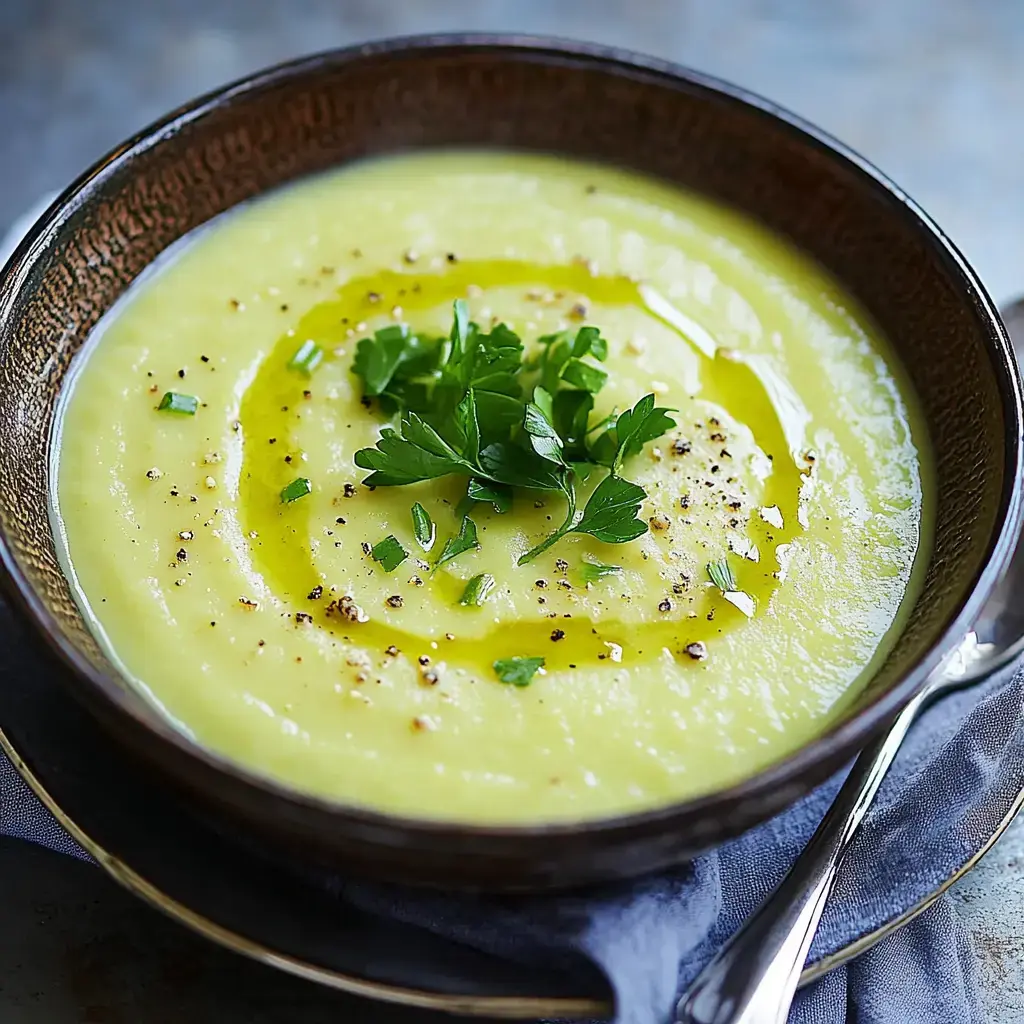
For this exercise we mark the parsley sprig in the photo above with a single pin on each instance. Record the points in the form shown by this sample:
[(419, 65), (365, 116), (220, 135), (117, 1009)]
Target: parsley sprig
[(470, 405)]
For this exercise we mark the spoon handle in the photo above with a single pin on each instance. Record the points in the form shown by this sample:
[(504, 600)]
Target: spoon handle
[(753, 978)]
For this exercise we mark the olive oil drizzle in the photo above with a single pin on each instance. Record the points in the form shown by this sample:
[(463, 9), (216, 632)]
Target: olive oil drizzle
[(283, 557)]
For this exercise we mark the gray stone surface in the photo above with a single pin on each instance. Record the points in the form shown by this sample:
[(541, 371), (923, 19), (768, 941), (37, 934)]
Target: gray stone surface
[(928, 89)]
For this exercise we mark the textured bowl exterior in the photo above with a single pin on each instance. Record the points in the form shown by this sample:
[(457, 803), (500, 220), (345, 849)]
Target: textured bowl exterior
[(539, 95)]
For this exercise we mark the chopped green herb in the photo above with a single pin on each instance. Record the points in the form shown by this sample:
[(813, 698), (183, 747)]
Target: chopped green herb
[(591, 572), (423, 527), (389, 553), (636, 426), (463, 541), (611, 512), (584, 375), (463, 408), (185, 405), (541, 431), (307, 358), (378, 358), (630, 432), (418, 453), (507, 463), (610, 515), (477, 589), (570, 412), (588, 341), (498, 495), (460, 324), (518, 671), (720, 573), (298, 488)]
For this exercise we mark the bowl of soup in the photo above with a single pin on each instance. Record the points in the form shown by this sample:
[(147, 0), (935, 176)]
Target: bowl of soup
[(495, 462)]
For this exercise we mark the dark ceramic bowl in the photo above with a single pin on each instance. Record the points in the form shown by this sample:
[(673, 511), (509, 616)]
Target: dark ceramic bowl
[(535, 95)]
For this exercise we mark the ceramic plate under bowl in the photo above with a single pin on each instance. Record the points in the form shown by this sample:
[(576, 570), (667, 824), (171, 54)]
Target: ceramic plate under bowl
[(150, 843)]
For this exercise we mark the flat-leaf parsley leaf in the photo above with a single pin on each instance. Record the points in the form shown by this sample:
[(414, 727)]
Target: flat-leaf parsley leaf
[(518, 671), (469, 405), (389, 553)]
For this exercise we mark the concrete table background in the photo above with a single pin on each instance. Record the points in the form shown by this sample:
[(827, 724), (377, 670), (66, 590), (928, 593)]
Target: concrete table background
[(931, 90)]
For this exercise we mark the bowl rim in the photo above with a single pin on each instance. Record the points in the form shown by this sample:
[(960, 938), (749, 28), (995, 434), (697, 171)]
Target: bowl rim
[(844, 737)]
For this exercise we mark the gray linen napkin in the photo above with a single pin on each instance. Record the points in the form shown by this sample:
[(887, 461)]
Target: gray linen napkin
[(960, 772)]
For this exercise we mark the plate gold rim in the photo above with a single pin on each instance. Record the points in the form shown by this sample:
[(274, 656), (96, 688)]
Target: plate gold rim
[(507, 1007)]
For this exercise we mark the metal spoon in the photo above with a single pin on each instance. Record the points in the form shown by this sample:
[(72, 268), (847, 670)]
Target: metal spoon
[(753, 978)]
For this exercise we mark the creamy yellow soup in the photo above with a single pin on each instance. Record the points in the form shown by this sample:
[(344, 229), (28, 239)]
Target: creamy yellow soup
[(268, 630)]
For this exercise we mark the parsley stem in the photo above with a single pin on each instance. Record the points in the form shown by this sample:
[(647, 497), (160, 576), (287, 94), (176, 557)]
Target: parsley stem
[(608, 421), (572, 518)]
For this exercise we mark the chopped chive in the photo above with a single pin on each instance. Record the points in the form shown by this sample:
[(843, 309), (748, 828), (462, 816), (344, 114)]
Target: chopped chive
[(720, 573), (307, 358), (477, 589), (423, 527), (389, 553), (298, 488), (518, 671), (591, 572), (186, 405)]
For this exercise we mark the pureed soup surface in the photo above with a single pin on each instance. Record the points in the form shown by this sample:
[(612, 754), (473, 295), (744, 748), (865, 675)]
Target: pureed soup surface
[(783, 509)]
